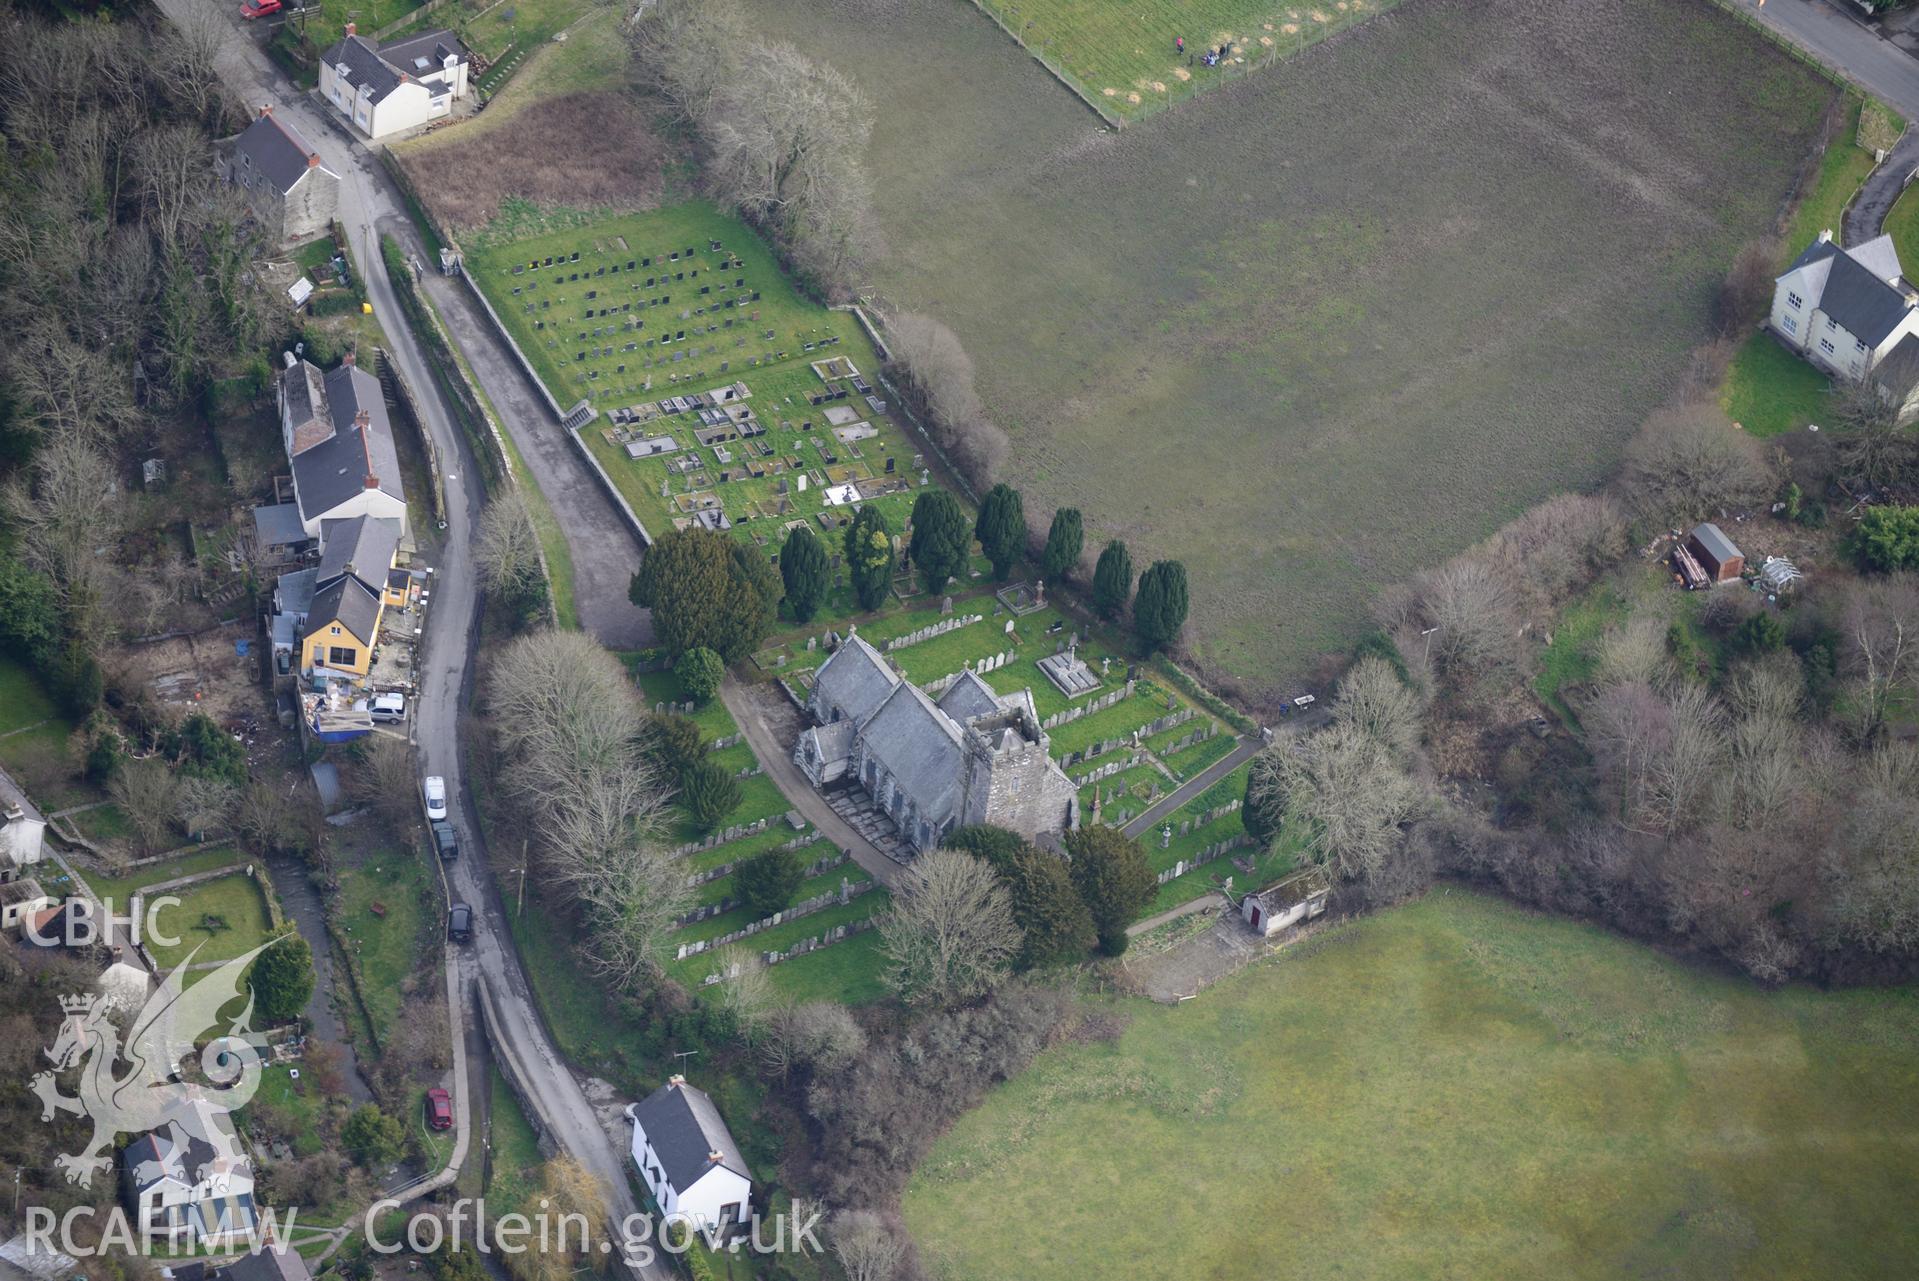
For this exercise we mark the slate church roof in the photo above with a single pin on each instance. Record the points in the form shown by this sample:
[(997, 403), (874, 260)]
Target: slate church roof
[(855, 680)]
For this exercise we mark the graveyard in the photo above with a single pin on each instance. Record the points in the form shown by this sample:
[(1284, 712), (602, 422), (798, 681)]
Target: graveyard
[(725, 399), (824, 939)]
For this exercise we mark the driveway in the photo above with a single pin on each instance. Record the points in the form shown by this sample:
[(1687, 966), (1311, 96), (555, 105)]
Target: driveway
[(1866, 215), (605, 551)]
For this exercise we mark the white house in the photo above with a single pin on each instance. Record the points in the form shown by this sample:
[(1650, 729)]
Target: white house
[(340, 444), (687, 1157), (22, 831), (187, 1181), (385, 89), (1846, 310)]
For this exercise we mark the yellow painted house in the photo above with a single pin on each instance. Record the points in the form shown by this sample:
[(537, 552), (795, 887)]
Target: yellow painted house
[(355, 584)]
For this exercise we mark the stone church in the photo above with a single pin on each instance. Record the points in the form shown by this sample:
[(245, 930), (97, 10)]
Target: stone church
[(973, 756)]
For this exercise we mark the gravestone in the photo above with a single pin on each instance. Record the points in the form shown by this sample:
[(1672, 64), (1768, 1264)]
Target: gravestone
[(946, 606), (1009, 627), (812, 643)]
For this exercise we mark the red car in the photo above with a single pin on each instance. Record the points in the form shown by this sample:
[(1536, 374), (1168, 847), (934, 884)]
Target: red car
[(439, 1109), (251, 9)]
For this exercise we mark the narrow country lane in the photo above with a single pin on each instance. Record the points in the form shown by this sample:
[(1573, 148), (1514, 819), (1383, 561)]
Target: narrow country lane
[(369, 204)]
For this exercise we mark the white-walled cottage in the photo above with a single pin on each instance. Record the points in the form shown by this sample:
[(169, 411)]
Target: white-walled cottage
[(384, 89), (687, 1158)]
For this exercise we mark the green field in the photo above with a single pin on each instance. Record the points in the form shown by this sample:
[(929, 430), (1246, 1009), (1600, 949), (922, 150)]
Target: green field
[(1125, 59), (627, 311), (1318, 330), (386, 916), (1455, 1088)]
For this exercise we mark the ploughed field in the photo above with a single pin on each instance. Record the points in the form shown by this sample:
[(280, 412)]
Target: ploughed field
[(1332, 322), (1456, 1088)]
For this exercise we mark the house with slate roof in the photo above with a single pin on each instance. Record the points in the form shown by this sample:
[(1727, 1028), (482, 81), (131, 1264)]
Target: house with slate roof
[(972, 756), (187, 1181), (351, 588), (290, 190), (384, 89), (1851, 313), (687, 1158), (340, 444)]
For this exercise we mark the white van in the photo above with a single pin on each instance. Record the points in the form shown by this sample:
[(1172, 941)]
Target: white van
[(388, 708)]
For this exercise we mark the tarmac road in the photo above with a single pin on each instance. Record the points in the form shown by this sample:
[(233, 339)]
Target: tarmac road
[(369, 204)]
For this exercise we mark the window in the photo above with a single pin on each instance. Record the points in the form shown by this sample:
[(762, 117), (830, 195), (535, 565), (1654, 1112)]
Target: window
[(342, 655), (1831, 323), (1794, 301), (1858, 345), (1792, 326), (1825, 345)]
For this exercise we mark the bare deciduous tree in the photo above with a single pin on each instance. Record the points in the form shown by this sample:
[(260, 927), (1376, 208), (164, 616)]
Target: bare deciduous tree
[(566, 717), (937, 374), (1373, 700), (950, 932), (686, 51), (1689, 464), (868, 1249), (147, 792), (385, 781), (203, 804), (506, 550), (1472, 611), (1628, 727), (822, 1035), (745, 990), (1634, 652), (1873, 448), (1348, 789), (1683, 776), (1881, 627), (1871, 876), (67, 513)]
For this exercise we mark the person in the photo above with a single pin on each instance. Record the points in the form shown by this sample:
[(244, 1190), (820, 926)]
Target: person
[(1211, 59), (1179, 44)]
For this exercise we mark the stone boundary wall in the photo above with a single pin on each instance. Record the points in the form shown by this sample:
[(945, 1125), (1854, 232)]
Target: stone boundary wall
[(819, 866), (838, 934), (1110, 698), (559, 415)]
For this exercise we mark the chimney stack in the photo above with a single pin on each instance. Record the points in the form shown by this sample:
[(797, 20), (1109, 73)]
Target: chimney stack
[(14, 812), (714, 1158), (266, 109), (353, 28), (347, 359), (675, 1081)]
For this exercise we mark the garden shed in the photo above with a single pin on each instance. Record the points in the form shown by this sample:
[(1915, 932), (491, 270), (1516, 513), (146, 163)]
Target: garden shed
[(1716, 553)]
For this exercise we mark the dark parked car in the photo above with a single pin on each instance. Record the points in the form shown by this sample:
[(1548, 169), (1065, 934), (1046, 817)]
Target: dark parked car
[(459, 923), (439, 1109), (446, 840)]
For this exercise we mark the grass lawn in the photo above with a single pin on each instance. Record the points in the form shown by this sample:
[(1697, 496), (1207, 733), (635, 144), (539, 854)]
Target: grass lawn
[(1902, 224), (1770, 391), (107, 823), (387, 919), (119, 888), (1842, 167), (1124, 57), (23, 701), (1455, 1088), (588, 1030), (224, 918), (1298, 349)]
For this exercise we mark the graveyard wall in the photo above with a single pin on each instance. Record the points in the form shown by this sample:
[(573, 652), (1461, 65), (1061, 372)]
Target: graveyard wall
[(559, 415)]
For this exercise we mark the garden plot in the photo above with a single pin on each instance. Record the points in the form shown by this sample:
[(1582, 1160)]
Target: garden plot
[(1290, 333)]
